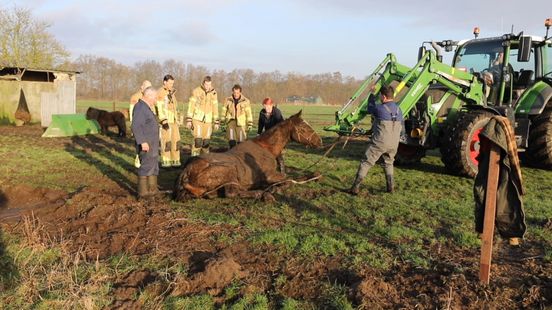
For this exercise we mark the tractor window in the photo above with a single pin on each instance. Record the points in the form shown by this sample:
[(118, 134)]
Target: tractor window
[(478, 56), (522, 66), (474, 62), (548, 61)]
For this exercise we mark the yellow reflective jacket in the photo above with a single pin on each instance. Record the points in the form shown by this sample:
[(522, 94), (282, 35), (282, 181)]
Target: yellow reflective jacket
[(203, 106), (240, 112), (166, 106)]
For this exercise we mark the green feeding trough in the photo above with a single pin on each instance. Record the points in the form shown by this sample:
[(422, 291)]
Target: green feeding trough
[(66, 125)]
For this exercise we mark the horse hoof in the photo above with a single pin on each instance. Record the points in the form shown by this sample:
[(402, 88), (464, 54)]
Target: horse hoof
[(268, 197)]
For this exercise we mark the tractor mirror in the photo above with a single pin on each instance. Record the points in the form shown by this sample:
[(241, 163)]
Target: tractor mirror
[(421, 52), (524, 53)]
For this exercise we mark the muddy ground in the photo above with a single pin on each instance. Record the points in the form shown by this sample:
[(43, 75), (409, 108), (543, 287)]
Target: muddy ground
[(96, 224), (103, 223)]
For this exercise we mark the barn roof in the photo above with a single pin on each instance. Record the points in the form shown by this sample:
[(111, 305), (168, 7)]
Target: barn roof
[(16, 73)]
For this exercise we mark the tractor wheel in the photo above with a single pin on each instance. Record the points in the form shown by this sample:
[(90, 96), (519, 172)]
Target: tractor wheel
[(539, 152), (409, 155), (460, 148)]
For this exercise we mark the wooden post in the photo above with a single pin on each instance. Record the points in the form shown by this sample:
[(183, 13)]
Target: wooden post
[(490, 213)]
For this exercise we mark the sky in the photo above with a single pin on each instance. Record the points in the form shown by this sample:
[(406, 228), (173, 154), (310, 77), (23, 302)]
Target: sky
[(304, 36)]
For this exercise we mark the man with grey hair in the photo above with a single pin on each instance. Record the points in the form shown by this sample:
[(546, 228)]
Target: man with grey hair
[(146, 133), (137, 96)]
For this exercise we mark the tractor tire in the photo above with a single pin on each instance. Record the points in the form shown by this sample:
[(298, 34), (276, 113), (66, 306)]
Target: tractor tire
[(409, 155), (539, 152), (460, 147)]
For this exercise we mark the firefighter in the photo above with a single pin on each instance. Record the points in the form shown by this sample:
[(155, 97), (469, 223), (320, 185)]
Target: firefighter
[(146, 133), (237, 116), (202, 114), (137, 96), (168, 118), (386, 132)]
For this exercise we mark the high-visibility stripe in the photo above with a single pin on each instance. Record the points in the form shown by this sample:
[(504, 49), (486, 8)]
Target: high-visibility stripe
[(209, 131), (400, 87), (199, 130), (231, 134)]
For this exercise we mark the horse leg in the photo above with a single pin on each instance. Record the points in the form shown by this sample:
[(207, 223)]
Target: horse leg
[(275, 178), (256, 194), (231, 190)]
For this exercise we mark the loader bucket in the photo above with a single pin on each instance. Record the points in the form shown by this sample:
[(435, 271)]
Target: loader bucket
[(66, 125)]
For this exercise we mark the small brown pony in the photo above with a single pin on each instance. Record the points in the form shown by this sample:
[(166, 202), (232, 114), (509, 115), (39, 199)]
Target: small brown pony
[(108, 119), (245, 170)]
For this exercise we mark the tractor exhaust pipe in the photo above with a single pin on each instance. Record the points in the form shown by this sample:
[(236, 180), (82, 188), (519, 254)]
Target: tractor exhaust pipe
[(437, 49)]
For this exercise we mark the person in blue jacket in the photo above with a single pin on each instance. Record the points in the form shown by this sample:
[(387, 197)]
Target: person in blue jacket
[(386, 132), (146, 133)]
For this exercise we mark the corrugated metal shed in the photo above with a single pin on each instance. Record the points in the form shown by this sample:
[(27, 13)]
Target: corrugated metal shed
[(33, 95)]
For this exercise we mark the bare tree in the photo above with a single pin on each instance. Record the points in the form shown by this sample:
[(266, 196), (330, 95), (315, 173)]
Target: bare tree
[(26, 42)]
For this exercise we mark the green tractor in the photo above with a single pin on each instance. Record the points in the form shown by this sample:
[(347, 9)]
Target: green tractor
[(446, 107)]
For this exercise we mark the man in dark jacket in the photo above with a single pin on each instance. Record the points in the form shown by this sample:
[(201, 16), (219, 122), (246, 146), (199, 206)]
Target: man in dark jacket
[(146, 132), (268, 118), (386, 132)]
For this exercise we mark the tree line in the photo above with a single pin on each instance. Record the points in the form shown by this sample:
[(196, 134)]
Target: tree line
[(106, 79), (27, 42)]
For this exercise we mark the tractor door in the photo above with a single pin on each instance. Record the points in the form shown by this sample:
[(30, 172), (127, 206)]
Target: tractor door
[(523, 75)]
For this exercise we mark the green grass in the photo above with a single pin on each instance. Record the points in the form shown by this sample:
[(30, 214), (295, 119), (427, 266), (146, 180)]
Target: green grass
[(379, 230)]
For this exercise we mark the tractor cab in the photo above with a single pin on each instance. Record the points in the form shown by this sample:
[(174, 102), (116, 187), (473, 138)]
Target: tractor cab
[(506, 66)]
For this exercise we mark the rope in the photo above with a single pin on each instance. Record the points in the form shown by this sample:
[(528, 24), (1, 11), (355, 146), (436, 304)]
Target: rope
[(324, 155), (292, 181)]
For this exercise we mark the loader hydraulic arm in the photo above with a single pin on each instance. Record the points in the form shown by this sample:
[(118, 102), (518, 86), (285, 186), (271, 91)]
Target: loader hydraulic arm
[(427, 71)]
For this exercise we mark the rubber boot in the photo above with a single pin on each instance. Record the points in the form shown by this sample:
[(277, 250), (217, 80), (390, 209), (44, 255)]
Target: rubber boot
[(355, 188), (231, 143), (152, 185), (165, 162), (196, 151), (143, 190), (390, 183)]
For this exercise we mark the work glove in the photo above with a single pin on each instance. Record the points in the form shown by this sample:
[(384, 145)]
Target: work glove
[(189, 124), (165, 126)]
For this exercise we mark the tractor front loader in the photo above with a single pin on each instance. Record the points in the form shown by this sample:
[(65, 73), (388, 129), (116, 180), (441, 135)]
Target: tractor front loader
[(446, 107)]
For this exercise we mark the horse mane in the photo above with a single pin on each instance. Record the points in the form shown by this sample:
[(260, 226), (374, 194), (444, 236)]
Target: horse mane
[(276, 138)]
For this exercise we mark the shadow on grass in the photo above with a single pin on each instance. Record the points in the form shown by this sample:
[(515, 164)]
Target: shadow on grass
[(340, 223), (105, 156), (424, 167), (8, 271)]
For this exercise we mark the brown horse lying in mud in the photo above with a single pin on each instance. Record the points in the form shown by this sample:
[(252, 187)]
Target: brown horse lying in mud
[(247, 169)]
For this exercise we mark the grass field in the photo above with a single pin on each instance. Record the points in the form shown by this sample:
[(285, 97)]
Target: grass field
[(404, 238)]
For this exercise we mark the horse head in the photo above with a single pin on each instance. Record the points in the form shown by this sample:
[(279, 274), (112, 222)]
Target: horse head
[(92, 113), (303, 133)]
